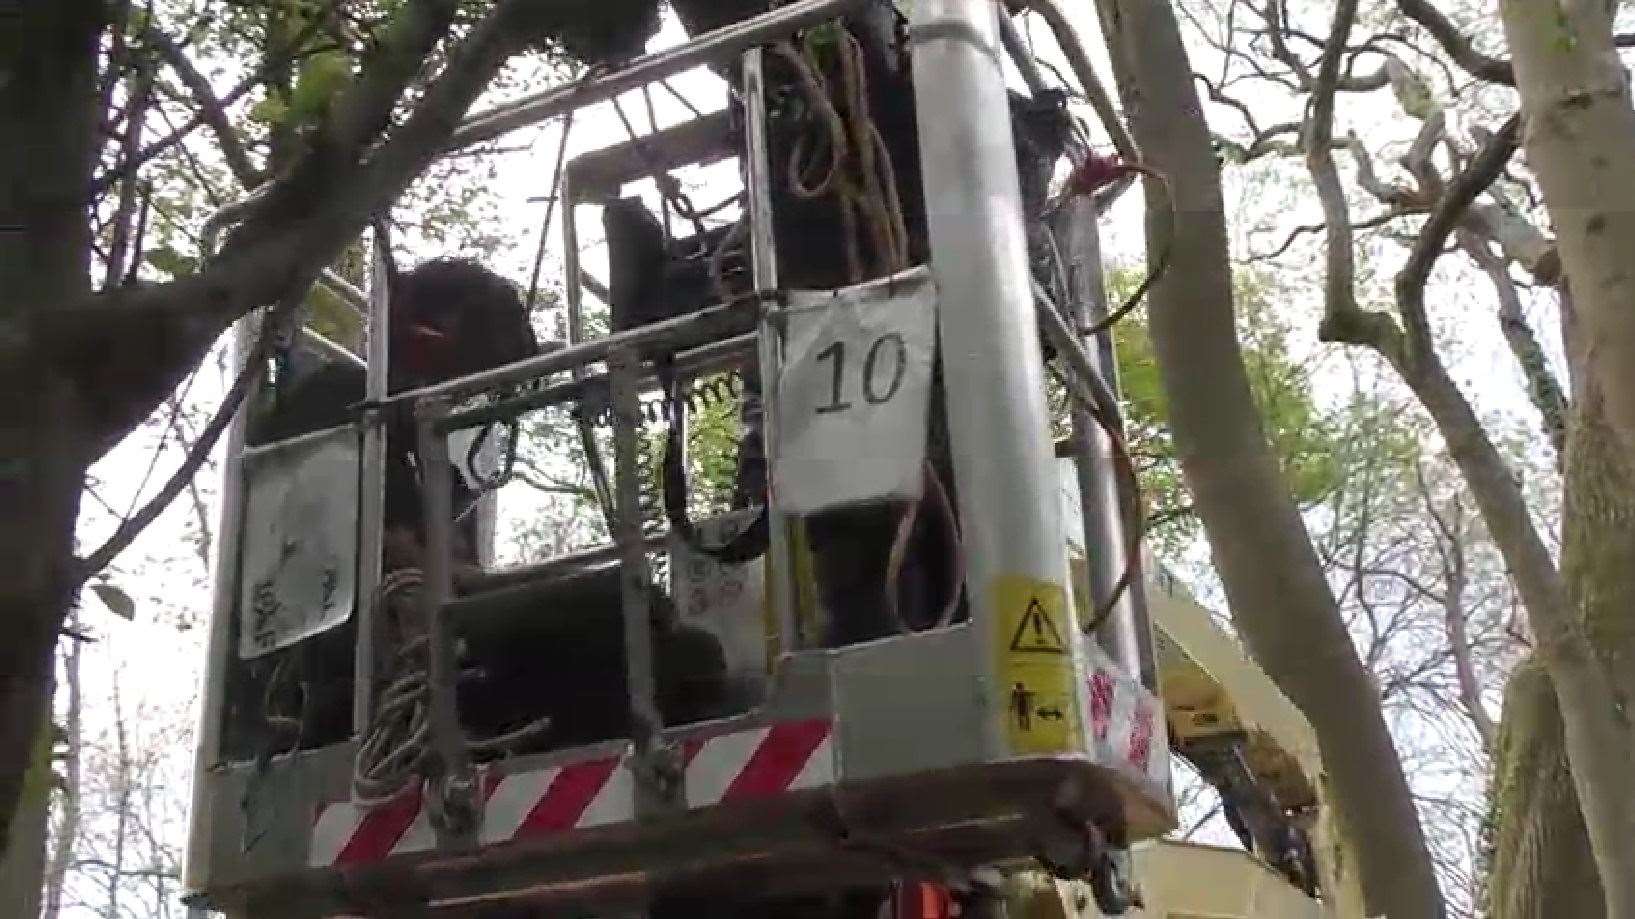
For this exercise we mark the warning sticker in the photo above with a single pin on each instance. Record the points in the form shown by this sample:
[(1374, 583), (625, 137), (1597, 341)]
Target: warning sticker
[(1041, 710)]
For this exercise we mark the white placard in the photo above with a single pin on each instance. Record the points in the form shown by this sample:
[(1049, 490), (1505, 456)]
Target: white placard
[(724, 599), (854, 394), (300, 540), (487, 459)]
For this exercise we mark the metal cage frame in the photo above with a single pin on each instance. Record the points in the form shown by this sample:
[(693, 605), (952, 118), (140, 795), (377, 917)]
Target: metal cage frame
[(866, 798)]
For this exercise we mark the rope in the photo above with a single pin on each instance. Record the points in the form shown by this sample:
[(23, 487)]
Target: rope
[(955, 588), (849, 159), (396, 742)]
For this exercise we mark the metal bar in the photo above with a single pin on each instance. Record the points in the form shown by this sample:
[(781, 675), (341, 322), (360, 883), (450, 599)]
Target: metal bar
[(711, 47), (570, 261), (371, 488), (197, 868), (694, 142), (993, 380), (450, 775), (780, 568), (343, 288), (646, 725), (706, 325), (252, 454), (329, 348), (548, 570), (1086, 370), (1100, 493), (697, 362), (576, 334)]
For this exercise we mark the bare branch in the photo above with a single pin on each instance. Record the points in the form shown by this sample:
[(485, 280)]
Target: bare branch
[(136, 107), (201, 510), (1373, 222), (212, 111), (1543, 388), (1394, 195), (1417, 160), (1342, 319), (248, 377), (1457, 44), (178, 134), (1476, 177), (1216, 95)]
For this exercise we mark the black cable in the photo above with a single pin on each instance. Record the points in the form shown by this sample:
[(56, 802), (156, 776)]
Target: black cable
[(749, 544), (507, 464)]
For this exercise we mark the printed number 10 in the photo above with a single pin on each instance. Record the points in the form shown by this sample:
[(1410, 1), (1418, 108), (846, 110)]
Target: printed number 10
[(891, 342)]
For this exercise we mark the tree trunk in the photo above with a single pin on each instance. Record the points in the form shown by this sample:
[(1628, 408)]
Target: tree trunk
[(1581, 145), (24, 862), (1541, 865), (1580, 142), (67, 837), (48, 117), (1280, 601), (1591, 655)]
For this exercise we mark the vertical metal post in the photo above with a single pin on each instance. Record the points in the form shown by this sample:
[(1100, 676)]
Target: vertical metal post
[(570, 259), (993, 378), (219, 645), (452, 785), (1126, 635), (624, 369), (780, 567), (371, 488), (576, 334)]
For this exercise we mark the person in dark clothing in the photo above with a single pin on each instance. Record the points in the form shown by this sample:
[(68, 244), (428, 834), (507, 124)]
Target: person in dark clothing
[(449, 318)]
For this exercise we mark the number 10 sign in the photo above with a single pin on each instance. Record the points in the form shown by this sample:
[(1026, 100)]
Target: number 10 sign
[(854, 394)]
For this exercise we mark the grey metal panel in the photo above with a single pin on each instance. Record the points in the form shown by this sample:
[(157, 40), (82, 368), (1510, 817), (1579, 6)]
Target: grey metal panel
[(802, 686), (907, 704), (260, 819)]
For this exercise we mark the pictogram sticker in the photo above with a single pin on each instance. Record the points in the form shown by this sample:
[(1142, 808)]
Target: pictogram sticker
[(1036, 633), (1040, 708)]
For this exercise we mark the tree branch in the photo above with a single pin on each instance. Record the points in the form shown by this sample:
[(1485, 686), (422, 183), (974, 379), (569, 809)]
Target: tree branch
[(1543, 388), (1457, 44), (1378, 220), (1342, 319), (288, 235), (212, 110), (1394, 195), (1482, 171), (365, 109), (136, 107), (248, 377)]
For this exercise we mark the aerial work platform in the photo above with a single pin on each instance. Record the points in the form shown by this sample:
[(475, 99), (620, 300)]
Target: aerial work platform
[(574, 735)]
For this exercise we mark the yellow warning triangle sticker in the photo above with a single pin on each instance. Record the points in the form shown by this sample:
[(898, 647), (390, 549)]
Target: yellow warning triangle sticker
[(1035, 633)]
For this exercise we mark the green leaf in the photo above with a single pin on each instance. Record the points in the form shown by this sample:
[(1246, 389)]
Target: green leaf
[(322, 76), (116, 600), (171, 262), (269, 111)]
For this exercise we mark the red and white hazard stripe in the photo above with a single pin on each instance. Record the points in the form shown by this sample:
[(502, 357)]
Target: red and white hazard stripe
[(759, 763), (723, 768), (520, 805)]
